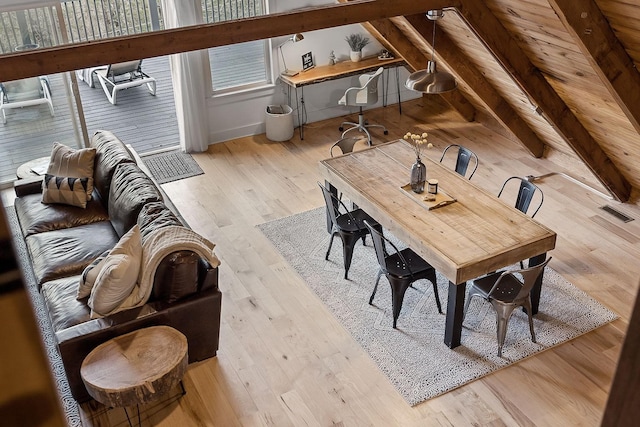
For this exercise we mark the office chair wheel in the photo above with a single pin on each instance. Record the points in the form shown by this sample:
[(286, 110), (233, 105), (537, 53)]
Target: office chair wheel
[(386, 132), (340, 128)]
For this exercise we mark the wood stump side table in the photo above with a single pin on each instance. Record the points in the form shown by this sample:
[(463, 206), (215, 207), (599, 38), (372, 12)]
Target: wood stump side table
[(136, 368)]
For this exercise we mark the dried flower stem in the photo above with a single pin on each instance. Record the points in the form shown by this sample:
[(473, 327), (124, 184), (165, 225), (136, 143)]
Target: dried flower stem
[(418, 142)]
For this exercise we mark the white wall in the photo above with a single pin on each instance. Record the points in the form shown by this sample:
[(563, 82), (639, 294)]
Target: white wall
[(242, 114)]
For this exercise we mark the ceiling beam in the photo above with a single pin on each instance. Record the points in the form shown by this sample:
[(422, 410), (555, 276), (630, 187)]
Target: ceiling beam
[(505, 49), (391, 36), (455, 60), (83, 55), (586, 23)]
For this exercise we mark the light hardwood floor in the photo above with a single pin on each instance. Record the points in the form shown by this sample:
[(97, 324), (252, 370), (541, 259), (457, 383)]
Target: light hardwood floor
[(285, 361)]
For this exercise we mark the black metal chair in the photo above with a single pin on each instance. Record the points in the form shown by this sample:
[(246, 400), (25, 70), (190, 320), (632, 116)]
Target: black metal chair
[(505, 291), (525, 195), (465, 156), (349, 225), (401, 268)]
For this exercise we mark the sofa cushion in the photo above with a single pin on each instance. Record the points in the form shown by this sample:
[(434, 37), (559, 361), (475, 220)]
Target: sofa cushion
[(75, 163), (64, 309), (130, 190), (65, 190), (37, 217), (110, 152), (60, 253), (118, 274)]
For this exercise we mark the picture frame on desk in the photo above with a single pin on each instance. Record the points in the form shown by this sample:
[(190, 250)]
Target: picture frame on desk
[(307, 61)]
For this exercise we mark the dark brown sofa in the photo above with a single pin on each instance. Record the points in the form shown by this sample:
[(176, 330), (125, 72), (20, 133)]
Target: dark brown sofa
[(62, 240)]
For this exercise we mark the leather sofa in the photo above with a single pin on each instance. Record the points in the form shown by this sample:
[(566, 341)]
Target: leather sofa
[(62, 240)]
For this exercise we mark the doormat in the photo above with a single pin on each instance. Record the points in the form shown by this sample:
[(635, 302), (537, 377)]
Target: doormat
[(171, 166)]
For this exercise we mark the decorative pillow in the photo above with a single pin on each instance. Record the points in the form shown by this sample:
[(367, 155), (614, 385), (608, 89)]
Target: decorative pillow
[(89, 276), (118, 275), (76, 163), (65, 190)]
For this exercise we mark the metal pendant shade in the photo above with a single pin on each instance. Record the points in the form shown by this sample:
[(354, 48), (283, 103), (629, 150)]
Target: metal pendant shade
[(430, 80)]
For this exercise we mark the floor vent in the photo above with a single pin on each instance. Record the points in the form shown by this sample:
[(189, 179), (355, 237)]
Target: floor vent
[(616, 213)]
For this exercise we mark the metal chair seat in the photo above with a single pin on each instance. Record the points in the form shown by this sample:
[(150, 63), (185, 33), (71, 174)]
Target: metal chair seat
[(506, 292), (401, 268)]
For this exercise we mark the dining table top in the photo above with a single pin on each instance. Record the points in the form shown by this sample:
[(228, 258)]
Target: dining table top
[(475, 235)]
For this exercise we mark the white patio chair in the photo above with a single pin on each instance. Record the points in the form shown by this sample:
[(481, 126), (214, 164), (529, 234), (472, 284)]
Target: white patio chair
[(124, 75), (25, 93)]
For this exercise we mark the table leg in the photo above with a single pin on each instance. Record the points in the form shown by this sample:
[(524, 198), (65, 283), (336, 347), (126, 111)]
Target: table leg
[(537, 287), (455, 313)]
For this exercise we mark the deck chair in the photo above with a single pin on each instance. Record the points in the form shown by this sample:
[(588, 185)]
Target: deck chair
[(123, 75), (25, 93)]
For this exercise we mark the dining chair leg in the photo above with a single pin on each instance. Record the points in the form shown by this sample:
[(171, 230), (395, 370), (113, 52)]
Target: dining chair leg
[(434, 282), (348, 243), (326, 257), (375, 288), (503, 313), (398, 289), (527, 305)]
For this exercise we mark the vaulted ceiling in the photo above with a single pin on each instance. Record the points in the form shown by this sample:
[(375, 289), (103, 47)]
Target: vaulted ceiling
[(558, 77)]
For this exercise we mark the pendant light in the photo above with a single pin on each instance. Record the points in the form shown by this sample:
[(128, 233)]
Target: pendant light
[(430, 80)]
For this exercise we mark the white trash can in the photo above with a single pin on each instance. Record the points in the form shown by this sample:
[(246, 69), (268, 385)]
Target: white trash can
[(279, 123)]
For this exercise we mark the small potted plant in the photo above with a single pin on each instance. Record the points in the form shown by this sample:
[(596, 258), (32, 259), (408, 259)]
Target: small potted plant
[(356, 42)]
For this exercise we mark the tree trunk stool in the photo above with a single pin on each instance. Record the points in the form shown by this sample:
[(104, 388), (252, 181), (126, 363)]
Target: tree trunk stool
[(136, 368)]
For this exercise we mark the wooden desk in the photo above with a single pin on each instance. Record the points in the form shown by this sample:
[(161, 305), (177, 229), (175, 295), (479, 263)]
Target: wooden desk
[(338, 71), (473, 236)]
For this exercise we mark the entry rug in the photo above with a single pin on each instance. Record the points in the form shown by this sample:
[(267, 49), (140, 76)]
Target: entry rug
[(68, 403), (171, 166), (414, 357)]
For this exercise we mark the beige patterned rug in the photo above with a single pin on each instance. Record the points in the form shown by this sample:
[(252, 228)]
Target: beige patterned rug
[(414, 357)]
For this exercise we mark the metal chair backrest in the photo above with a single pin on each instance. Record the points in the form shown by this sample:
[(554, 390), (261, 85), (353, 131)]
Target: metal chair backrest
[(525, 194), (463, 159), (346, 144), (379, 246), (529, 277)]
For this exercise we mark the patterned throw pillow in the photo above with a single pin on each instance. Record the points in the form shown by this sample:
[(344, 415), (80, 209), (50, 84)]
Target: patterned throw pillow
[(89, 276), (65, 190), (75, 163)]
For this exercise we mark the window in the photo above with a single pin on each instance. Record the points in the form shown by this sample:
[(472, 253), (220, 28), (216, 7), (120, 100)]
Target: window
[(243, 65)]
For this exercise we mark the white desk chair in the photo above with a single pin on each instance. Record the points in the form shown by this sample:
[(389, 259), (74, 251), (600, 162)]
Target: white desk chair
[(366, 94), (123, 76), (25, 93)]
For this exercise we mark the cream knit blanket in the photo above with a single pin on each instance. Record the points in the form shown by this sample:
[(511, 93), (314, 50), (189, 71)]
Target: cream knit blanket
[(156, 246)]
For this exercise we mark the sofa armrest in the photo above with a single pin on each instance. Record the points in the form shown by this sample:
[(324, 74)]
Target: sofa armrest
[(197, 317), (27, 186)]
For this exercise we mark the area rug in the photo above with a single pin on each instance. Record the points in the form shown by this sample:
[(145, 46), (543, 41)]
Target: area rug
[(68, 403), (414, 357), (172, 166)]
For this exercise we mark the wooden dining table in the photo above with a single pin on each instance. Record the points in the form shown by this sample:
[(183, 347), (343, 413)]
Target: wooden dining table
[(475, 235)]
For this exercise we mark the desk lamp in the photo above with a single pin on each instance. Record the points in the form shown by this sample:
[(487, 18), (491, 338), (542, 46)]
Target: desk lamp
[(295, 38)]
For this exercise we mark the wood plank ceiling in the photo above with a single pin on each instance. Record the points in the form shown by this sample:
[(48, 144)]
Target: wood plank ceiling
[(573, 61), (560, 77)]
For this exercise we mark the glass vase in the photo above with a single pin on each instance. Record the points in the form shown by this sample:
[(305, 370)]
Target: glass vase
[(418, 176)]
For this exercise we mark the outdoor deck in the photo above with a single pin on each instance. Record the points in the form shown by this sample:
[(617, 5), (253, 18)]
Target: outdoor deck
[(146, 122)]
